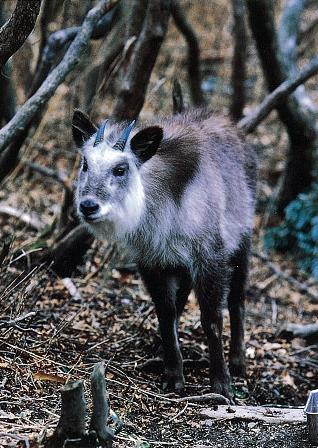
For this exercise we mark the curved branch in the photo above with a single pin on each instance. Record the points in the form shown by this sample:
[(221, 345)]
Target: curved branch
[(15, 31), (193, 53), (249, 123), (24, 116)]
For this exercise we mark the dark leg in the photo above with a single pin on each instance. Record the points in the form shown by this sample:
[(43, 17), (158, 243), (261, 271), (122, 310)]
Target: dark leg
[(236, 305), (210, 289), (184, 289), (162, 286)]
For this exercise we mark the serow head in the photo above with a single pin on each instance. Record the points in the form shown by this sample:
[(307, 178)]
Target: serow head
[(110, 187)]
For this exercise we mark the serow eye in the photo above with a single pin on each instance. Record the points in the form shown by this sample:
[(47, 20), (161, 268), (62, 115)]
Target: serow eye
[(119, 171), (84, 166)]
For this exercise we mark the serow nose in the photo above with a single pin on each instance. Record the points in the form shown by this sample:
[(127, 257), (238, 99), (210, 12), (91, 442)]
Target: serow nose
[(88, 207)]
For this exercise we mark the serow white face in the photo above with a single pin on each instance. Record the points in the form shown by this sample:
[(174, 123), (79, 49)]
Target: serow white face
[(109, 190)]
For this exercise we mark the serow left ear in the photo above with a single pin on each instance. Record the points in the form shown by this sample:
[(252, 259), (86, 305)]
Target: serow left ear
[(146, 142)]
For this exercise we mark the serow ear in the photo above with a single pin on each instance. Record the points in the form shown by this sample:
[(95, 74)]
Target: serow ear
[(82, 128), (146, 142)]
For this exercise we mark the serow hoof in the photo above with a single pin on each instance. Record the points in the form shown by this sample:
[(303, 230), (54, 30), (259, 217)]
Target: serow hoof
[(222, 387), (237, 366), (172, 382)]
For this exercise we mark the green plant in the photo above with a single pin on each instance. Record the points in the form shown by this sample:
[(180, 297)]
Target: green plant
[(298, 234)]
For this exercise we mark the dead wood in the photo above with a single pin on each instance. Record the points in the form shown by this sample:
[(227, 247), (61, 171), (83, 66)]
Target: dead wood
[(249, 124), (309, 332), (71, 425), (256, 413), (239, 59), (300, 127), (132, 93), (16, 30), (100, 413), (193, 63), (25, 114)]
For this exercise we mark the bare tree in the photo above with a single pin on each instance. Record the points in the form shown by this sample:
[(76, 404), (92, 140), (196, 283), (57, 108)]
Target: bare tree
[(299, 126), (132, 93), (194, 75)]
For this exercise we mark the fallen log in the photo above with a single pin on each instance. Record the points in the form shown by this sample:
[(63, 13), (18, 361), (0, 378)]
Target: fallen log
[(255, 414)]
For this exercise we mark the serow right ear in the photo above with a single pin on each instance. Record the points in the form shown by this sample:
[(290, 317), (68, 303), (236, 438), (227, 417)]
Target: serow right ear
[(82, 128)]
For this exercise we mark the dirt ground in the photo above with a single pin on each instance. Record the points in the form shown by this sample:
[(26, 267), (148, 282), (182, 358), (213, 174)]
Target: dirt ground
[(104, 313)]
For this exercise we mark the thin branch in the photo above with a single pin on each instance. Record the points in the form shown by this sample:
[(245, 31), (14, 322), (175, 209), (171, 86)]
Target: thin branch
[(15, 31), (194, 74), (248, 124), (25, 114)]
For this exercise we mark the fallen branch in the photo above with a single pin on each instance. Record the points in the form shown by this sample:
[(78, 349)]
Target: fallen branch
[(256, 414), (30, 108), (299, 286), (16, 30), (212, 398), (249, 123), (27, 219)]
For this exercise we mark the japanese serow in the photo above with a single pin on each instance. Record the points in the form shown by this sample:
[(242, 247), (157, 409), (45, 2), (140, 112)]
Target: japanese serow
[(180, 194)]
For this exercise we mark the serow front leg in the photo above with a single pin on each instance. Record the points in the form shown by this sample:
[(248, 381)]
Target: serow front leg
[(162, 288)]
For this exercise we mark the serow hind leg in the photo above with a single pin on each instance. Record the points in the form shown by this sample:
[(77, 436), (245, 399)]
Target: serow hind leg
[(210, 290), (162, 287), (236, 304)]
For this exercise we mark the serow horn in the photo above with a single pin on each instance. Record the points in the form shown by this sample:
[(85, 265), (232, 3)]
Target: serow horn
[(121, 142), (100, 133)]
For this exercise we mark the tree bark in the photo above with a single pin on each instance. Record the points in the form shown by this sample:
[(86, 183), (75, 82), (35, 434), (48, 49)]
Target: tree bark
[(301, 130), (131, 97), (16, 30), (194, 74), (239, 60)]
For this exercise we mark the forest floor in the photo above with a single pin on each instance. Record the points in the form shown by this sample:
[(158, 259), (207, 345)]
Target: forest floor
[(104, 313)]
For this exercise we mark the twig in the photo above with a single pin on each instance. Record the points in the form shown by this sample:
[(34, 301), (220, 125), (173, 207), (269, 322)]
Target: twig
[(13, 322), (249, 123), (30, 108), (301, 287)]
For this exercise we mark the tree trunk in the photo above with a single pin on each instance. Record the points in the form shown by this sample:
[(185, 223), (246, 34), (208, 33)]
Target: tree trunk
[(300, 128)]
